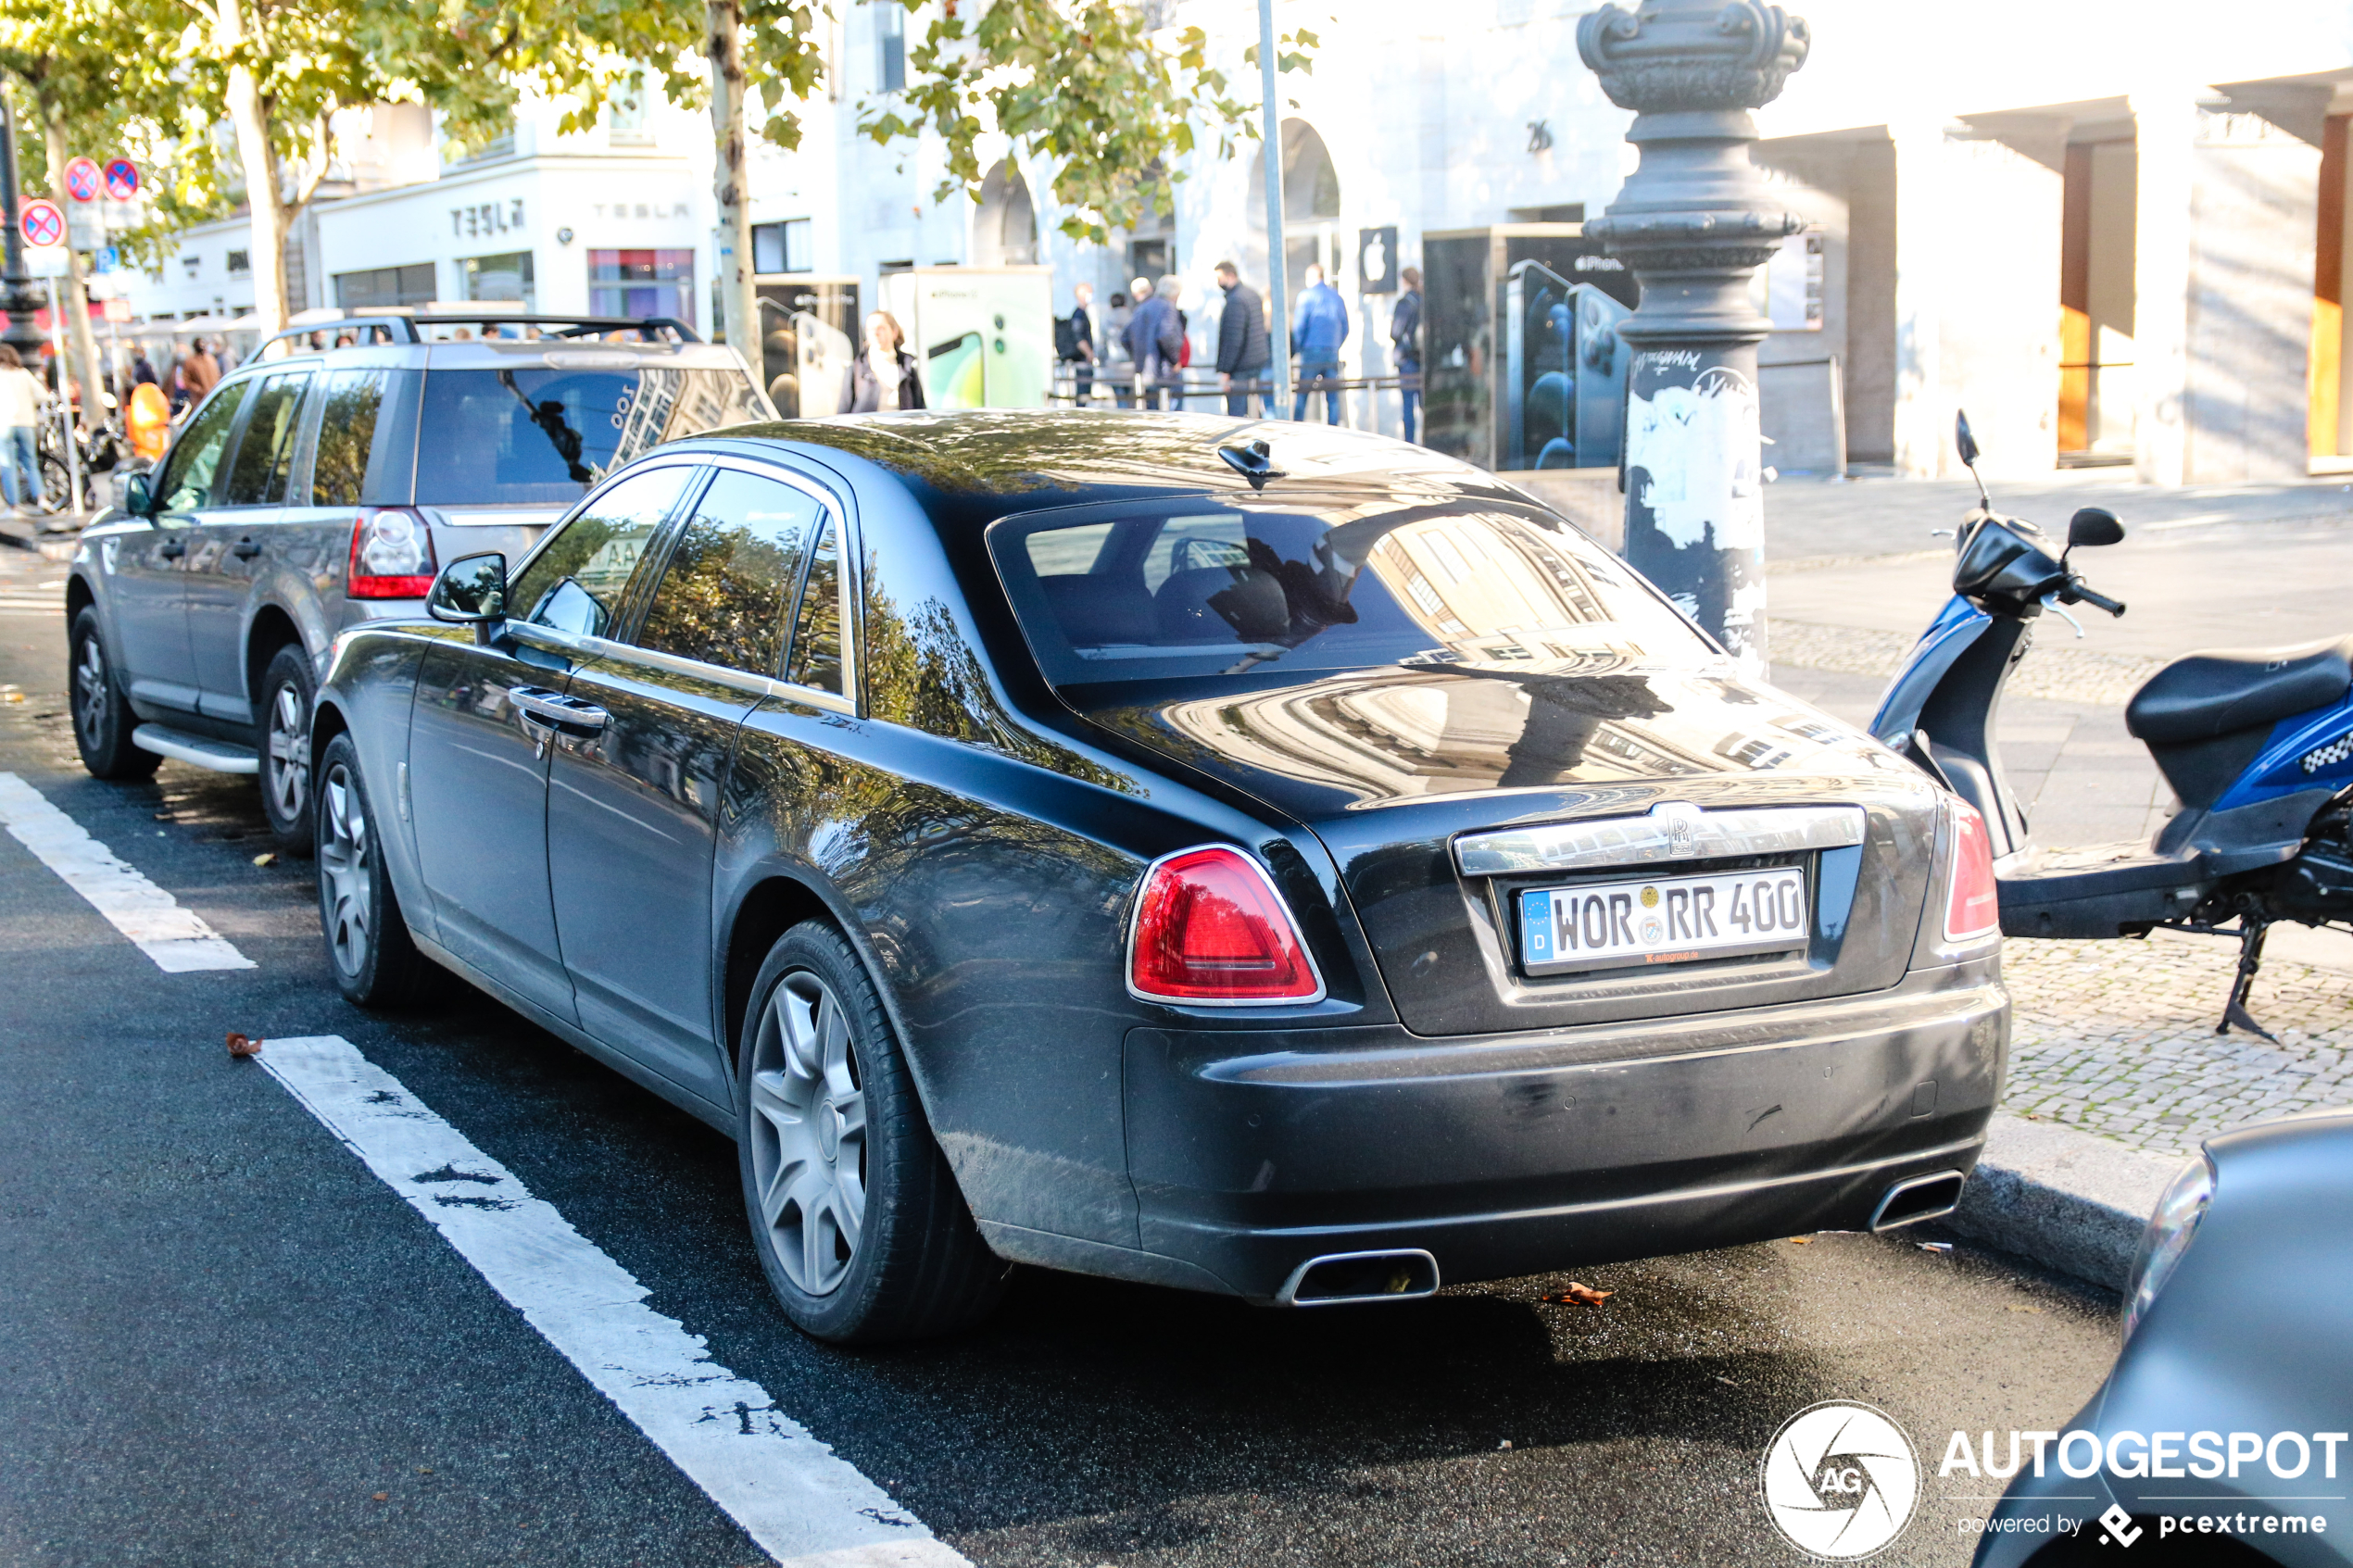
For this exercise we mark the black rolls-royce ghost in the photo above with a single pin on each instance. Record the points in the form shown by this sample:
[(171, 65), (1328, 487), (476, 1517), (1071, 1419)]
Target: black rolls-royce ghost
[(1248, 857)]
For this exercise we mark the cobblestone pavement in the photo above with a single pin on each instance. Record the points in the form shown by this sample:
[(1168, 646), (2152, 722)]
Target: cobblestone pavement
[(2117, 1038)]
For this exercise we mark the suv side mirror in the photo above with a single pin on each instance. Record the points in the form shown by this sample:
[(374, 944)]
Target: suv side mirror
[(2094, 525), (471, 591), (139, 494)]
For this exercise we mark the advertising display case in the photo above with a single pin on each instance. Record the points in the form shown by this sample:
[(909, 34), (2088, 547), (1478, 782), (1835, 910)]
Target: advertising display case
[(984, 335), (809, 330)]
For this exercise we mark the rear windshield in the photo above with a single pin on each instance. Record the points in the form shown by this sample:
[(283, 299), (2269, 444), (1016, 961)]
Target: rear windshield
[(1202, 588), (545, 434)]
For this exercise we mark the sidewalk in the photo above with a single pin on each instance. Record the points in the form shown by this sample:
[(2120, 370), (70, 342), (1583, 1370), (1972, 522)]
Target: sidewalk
[(2116, 1073)]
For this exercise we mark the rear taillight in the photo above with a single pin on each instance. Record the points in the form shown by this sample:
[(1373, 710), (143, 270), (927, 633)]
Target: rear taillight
[(1210, 928), (1974, 906), (391, 556)]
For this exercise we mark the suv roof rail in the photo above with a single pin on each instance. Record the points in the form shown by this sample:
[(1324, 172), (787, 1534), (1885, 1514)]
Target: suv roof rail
[(382, 318)]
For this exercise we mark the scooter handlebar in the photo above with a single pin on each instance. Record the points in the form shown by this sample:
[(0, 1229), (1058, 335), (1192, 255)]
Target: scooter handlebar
[(2097, 601)]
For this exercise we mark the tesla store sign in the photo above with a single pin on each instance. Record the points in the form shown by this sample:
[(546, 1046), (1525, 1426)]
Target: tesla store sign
[(653, 211), (486, 218)]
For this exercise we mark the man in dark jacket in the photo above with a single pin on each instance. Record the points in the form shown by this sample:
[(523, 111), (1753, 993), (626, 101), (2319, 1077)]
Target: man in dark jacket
[(1243, 349), (1406, 338), (1154, 341)]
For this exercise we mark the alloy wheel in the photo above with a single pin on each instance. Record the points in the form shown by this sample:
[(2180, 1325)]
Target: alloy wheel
[(344, 870), (91, 692), (809, 1133), (289, 745)]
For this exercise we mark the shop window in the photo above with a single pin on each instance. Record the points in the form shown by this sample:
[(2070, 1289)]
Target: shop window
[(239, 261), (638, 284), (781, 247), (386, 285), (504, 279), (890, 46)]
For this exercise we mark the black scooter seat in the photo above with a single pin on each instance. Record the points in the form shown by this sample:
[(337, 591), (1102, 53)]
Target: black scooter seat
[(2223, 690)]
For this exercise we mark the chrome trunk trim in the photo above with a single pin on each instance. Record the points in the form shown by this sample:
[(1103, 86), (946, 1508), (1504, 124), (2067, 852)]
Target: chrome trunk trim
[(1672, 830)]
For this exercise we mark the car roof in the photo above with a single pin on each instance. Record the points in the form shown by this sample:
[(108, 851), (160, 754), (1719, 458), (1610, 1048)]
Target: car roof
[(1073, 456)]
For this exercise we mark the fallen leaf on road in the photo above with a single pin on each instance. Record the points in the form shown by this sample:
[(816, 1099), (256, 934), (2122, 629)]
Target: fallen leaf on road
[(1579, 1295), (241, 1047), (379, 1496), (1505, 1444), (263, 860), (2035, 1310), (1801, 1241)]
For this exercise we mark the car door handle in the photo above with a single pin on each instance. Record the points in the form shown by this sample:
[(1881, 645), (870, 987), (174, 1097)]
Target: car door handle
[(245, 549), (172, 549), (547, 714)]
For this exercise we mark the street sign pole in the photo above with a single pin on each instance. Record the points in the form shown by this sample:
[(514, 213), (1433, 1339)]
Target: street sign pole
[(65, 398), (1277, 285), (16, 298), (1694, 221)]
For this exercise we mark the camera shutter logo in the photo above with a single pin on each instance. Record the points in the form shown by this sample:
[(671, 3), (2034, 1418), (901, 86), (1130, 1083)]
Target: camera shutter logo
[(1840, 1480)]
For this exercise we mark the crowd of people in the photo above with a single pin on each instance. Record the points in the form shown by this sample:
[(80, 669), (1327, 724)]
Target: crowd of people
[(138, 403), (1139, 352)]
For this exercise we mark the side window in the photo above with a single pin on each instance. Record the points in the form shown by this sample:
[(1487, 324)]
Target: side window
[(258, 474), (353, 402), (575, 584), (196, 457), (728, 587), (816, 639)]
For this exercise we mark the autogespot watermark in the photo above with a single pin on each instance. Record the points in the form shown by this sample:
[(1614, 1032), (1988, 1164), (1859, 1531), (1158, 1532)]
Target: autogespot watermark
[(1841, 1481)]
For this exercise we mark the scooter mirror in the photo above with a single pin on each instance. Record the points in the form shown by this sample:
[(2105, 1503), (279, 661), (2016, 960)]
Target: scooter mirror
[(2094, 525), (1963, 440)]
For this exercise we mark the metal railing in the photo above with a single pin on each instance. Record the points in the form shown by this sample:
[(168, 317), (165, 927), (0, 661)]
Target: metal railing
[(1196, 391)]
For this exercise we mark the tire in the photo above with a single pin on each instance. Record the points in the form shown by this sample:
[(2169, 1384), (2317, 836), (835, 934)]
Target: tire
[(281, 719), (102, 716), (856, 1217), (375, 962)]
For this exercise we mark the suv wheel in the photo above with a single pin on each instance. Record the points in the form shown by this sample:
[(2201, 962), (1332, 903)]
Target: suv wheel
[(285, 722), (102, 716), (856, 1217), (376, 962)]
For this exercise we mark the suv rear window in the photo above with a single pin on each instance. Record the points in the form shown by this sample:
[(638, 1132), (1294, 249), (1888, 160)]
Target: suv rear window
[(1224, 586), (537, 434)]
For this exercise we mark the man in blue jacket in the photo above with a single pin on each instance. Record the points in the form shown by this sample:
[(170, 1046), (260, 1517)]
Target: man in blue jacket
[(1155, 342), (1318, 328)]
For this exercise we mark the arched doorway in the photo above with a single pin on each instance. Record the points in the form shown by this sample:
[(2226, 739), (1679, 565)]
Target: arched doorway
[(1005, 228), (1311, 206)]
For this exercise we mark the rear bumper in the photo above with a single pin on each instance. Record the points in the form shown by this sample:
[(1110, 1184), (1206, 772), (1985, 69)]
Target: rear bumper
[(1253, 1152)]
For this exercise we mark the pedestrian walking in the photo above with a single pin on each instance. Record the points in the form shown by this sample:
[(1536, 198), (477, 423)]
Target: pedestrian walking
[(1405, 340), (1243, 348), (1318, 329), (1172, 288), (1155, 339), (1082, 339), (883, 378), (20, 431), (200, 370), (141, 372)]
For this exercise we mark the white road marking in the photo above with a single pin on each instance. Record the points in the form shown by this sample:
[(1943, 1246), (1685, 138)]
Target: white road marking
[(791, 1493), (177, 938)]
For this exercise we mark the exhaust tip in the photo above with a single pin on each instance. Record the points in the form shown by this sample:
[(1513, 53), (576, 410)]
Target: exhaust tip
[(1917, 1198), (1341, 1277)]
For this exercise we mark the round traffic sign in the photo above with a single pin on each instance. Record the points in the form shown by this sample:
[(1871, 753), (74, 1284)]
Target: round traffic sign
[(122, 179), (42, 224), (81, 179)]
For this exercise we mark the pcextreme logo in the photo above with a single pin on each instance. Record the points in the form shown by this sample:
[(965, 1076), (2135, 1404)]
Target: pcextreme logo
[(1840, 1480)]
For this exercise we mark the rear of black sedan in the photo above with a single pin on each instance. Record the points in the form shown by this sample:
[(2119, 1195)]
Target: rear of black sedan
[(1309, 887)]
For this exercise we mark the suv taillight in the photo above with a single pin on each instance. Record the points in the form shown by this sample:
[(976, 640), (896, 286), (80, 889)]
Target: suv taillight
[(1210, 927), (391, 556), (1974, 906)]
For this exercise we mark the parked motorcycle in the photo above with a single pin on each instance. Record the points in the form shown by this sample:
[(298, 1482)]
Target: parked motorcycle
[(2257, 743)]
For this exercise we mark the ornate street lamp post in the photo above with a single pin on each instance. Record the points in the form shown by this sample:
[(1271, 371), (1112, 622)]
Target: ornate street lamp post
[(16, 296), (1694, 221)]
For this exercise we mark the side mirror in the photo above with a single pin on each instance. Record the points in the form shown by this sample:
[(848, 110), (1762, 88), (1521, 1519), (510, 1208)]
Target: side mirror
[(139, 494), (471, 591), (1962, 440), (2094, 525)]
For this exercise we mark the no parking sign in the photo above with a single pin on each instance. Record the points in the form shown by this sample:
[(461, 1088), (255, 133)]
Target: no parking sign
[(122, 179), (42, 224), (81, 179)]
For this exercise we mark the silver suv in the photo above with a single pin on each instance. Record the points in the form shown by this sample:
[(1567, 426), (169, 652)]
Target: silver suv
[(322, 485)]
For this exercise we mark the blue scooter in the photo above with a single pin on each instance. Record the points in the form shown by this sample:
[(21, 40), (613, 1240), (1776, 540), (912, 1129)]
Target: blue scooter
[(2257, 743)]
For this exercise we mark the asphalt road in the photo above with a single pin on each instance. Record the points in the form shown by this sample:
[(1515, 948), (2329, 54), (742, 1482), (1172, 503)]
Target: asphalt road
[(226, 1342)]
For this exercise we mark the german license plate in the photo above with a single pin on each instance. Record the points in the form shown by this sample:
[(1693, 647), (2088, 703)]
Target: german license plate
[(1663, 920)]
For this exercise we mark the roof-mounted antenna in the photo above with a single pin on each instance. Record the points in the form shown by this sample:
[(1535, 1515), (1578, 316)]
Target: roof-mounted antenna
[(1253, 459)]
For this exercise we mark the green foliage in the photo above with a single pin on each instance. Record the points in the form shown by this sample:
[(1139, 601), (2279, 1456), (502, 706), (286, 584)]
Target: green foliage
[(1087, 85)]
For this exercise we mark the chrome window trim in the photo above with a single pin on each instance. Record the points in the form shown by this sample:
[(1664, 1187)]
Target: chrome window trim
[(1672, 830), (551, 640)]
